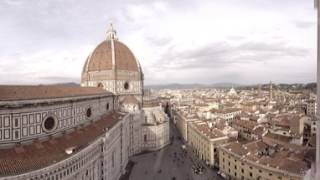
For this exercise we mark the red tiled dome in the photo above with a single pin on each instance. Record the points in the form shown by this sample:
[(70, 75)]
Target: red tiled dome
[(101, 58)]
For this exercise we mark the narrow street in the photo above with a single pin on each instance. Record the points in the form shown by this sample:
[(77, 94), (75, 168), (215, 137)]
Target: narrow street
[(170, 163)]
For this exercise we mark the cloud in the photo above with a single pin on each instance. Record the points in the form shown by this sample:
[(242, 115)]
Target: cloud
[(305, 24), (59, 79), (220, 54), (175, 41), (159, 41)]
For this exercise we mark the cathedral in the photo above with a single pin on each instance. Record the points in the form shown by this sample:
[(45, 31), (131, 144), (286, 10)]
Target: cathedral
[(54, 132)]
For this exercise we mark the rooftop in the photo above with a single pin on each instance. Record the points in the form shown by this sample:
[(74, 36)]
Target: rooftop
[(151, 102), (249, 125), (211, 133), (278, 157), (20, 92), (37, 155), (225, 111)]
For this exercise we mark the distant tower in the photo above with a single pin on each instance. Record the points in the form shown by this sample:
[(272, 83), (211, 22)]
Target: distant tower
[(259, 90), (270, 91)]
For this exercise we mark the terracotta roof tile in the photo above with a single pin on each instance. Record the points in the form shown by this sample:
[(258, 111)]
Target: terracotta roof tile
[(130, 99), (37, 155), (20, 92), (101, 58), (281, 158), (245, 124)]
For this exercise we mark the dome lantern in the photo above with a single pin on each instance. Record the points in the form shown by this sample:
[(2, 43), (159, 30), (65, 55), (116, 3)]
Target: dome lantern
[(111, 33)]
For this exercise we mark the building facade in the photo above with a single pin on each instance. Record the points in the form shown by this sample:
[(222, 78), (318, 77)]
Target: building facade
[(257, 160), (155, 128), (204, 140), (182, 122)]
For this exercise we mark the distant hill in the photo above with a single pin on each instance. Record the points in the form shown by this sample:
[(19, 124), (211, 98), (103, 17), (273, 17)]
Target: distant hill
[(192, 86), (283, 86), (297, 86), (63, 84)]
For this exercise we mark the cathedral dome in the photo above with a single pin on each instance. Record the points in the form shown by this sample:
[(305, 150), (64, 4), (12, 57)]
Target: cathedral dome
[(111, 54), (101, 57), (113, 67)]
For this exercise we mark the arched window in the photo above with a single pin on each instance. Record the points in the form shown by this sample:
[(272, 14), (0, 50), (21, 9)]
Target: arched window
[(100, 85), (113, 159), (107, 106), (16, 123), (16, 133), (89, 112), (126, 86)]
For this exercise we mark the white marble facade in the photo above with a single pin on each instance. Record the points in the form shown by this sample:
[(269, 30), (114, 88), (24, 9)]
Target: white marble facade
[(105, 158), (155, 129), (24, 120)]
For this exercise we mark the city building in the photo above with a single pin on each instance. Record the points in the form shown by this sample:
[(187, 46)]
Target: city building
[(311, 107), (263, 128), (155, 128), (258, 160), (204, 138), (246, 128), (182, 120), (227, 114)]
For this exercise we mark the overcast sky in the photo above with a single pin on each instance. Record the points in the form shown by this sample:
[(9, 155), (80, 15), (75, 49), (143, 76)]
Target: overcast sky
[(176, 41)]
